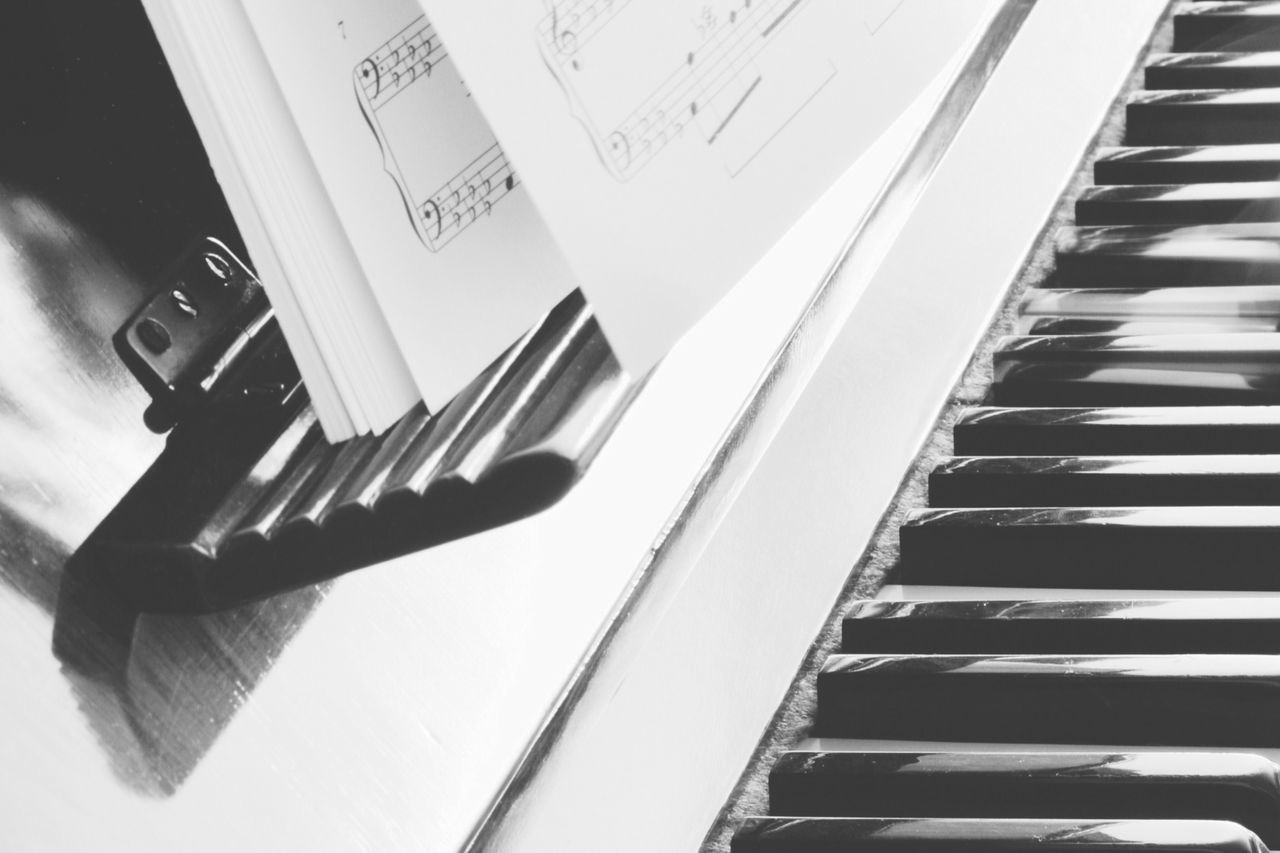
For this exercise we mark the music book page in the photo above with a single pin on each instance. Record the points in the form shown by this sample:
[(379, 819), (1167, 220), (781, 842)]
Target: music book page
[(669, 143), (454, 250)]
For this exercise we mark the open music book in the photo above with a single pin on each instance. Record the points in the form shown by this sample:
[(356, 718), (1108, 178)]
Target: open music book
[(408, 224)]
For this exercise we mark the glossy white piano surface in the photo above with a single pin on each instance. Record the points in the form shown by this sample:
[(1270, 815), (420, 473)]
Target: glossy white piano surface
[(388, 710)]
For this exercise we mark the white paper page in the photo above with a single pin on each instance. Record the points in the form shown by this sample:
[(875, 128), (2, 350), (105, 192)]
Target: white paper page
[(669, 143), (246, 93), (453, 249)]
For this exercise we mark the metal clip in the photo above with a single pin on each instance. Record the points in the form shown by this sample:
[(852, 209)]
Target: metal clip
[(200, 325)]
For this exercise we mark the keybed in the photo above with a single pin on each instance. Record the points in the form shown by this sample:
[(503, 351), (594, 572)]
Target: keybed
[(411, 55), (467, 197)]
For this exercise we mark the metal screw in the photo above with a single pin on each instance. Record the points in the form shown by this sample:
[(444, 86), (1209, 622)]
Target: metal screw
[(154, 335), (184, 302), (218, 265)]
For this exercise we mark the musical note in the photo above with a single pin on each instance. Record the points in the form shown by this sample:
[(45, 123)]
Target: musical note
[(474, 190), (412, 55), (716, 70), (571, 25), (406, 57), (368, 73)]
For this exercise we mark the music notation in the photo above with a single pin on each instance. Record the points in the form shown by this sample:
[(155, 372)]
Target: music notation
[(412, 52), (468, 196), (707, 87), (441, 205), (570, 25)]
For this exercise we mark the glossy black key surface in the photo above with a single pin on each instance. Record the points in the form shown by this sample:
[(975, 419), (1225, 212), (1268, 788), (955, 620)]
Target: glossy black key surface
[(1073, 385), (1114, 256), (1012, 481), (1177, 626), (1233, 26), (1190, 369), (1179, 204), (1225, 353), (1158, 326), (1213, 70), (957, 835), (1187, 164), (1257, 302), (1083, 370), (1149, 430), (1203, 117), (1238, 787), (1149, 700), (1202, 547)]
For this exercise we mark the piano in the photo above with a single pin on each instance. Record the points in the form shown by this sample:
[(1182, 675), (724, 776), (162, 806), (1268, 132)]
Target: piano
[(961, 544)]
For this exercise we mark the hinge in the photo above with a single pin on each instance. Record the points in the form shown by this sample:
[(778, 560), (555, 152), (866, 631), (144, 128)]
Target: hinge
[(206, 339)]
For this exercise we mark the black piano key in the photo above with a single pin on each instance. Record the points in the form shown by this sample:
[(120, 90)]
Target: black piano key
[(988, 430), (1187, 164), (1231, 786), (1213, 70), (1225, 353), (1147, 700), (1030, 481), (1071, 385), (1176, 547), (1203, 117), (1176, 626), (1230, 26), (1179, 204), (1256, 303), (1159, 326), (1084, 370), (1162, 256), (958, 835)]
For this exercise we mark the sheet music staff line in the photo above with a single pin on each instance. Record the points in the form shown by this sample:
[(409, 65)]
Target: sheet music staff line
[(707, 72), (468, 195), (561, 28), (684, 92), (471, 193), (720, 48), (400, 62)]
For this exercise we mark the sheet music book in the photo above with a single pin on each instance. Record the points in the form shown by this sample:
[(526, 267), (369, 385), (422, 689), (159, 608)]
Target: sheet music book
[(417, 181)]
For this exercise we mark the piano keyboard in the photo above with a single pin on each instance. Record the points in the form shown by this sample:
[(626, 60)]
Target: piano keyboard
[(1075, 668)]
